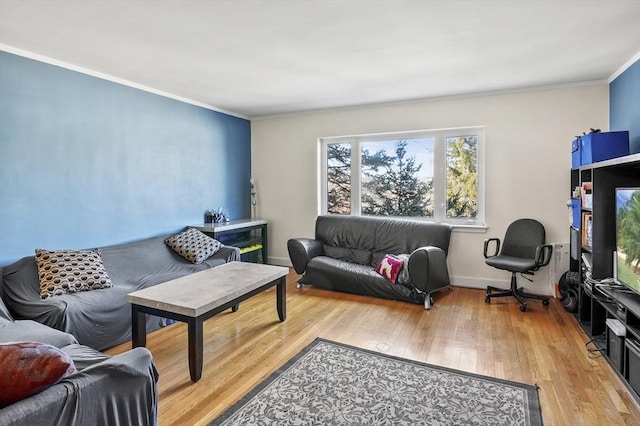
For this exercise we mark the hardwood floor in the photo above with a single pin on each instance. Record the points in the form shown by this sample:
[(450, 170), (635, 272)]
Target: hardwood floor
[(544, 346)]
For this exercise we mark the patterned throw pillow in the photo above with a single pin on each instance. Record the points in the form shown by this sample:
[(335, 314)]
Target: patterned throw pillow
[(193, 245), (28, 368), (70, 271), (389, 267)]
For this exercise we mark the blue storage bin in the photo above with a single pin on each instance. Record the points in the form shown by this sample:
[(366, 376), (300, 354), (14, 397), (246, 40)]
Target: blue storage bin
[(596, 147), (576, 161)]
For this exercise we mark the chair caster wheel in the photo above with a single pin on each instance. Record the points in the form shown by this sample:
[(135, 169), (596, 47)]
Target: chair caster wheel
[(545, 302), (487, 299), (523, 308)]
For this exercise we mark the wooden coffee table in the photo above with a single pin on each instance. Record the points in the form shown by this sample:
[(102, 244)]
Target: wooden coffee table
[(197, 297)]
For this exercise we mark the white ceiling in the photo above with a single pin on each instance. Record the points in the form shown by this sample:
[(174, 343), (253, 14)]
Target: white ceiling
[(256, 58)]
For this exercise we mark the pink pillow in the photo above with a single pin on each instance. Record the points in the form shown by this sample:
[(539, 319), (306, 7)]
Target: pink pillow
[(28, 367), (389, 267)]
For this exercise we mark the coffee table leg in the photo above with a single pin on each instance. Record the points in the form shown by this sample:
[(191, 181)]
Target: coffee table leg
[(281, 290), (138, 327), (195, 348)]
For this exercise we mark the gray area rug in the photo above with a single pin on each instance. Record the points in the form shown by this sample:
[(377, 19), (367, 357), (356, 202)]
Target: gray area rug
[(330, 383)]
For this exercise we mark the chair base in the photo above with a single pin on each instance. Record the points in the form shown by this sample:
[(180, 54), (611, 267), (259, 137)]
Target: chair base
[(516, 292)]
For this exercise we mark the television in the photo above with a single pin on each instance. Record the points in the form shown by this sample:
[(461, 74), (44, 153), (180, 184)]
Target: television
[(627, 257)]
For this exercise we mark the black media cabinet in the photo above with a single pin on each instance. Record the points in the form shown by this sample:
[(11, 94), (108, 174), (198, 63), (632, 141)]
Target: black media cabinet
[(622, 352), (249, 235)]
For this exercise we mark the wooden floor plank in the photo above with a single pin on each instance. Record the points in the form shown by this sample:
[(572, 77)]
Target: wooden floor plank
[(543, 346)]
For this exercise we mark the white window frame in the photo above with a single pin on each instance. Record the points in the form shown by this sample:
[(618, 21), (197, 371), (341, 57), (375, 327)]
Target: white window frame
[(439, 172)]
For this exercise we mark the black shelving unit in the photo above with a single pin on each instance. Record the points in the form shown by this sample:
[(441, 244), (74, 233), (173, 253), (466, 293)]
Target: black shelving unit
[(596, 303)]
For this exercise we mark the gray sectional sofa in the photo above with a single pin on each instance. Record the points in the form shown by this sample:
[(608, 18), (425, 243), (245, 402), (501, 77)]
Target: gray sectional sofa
[(102, 318), (346, 250), (119, 390)]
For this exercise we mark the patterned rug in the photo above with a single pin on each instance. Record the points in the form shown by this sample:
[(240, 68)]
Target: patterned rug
[(330, 383)]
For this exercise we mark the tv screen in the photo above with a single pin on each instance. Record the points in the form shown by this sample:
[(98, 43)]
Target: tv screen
[(628, 237)]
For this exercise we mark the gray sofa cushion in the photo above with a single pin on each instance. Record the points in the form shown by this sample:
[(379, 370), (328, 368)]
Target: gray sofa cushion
[(31, 331), (84, 356)]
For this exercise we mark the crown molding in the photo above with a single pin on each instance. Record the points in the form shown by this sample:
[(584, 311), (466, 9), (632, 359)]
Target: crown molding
[(524, 89), (93, 73), (623, 68)]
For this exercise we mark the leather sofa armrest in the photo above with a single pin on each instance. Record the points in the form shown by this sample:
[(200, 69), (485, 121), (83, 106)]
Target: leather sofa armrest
[(301, 250), (428, 269)]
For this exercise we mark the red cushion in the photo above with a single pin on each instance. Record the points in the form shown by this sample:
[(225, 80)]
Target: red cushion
[(389, 267), (27, 368)]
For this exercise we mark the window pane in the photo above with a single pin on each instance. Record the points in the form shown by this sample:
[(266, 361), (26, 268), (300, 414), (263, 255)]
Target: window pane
[(462, 177), (397, 177), (339, 178)]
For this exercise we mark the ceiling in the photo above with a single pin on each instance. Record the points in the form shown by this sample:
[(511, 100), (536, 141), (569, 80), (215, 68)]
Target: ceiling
[(256, 58)]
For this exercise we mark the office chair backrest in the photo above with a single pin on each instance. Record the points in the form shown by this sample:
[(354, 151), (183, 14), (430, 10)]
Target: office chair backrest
[(522, 238)]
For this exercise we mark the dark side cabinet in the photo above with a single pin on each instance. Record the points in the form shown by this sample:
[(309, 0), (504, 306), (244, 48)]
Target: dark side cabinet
[(249, 235)]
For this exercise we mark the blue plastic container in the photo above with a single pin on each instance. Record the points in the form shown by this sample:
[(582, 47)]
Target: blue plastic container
[(576, 160), (596, 147)]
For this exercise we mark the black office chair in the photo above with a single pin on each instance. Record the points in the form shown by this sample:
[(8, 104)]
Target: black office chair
[(523, 251)]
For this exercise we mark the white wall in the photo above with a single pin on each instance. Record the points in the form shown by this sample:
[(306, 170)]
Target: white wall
[(527, 161)]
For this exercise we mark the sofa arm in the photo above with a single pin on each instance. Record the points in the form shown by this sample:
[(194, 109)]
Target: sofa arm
[(31, 331), (428, 269), (301, 250), (119, 391), (229, 253)]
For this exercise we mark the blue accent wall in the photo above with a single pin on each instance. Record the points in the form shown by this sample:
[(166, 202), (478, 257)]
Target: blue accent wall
[(624, 105), (86, 162)]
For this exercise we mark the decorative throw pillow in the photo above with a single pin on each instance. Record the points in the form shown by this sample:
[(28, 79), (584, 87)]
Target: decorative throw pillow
[(193, 245), (70, 271), (389, 267), (27, 368)]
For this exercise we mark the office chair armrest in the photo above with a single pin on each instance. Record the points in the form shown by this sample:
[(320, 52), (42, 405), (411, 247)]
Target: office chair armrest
[(487, 242), (543, 254)]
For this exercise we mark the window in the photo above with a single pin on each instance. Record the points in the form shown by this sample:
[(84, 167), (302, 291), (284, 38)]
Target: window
[(433, 174)]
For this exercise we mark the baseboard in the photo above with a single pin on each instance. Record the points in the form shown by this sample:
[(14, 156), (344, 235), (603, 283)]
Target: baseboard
[(280, 261), (475, 282), (483, 283)]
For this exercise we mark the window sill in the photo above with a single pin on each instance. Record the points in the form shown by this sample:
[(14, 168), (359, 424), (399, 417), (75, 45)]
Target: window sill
[(475, 229)]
